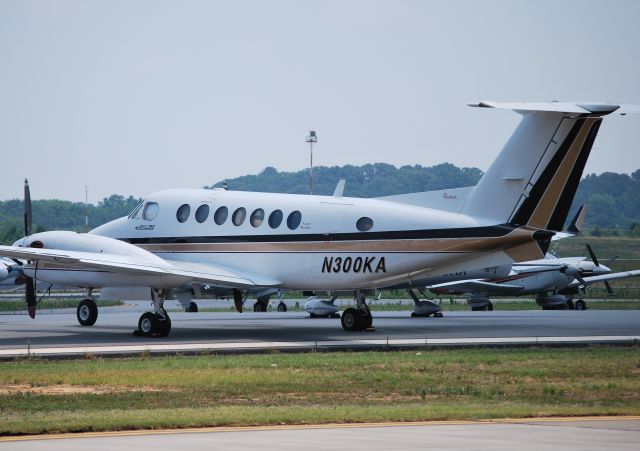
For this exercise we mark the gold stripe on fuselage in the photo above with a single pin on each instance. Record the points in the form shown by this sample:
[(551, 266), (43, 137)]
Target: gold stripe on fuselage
[(476, 244)]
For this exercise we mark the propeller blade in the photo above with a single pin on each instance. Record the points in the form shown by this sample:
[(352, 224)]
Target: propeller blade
[(237, 299), (27, 208), (608, 287), (30, 296), (611, 260), (592, 255)]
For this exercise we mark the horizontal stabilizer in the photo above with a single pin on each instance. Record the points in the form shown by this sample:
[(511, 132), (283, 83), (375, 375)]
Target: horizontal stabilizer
[(581, 108)]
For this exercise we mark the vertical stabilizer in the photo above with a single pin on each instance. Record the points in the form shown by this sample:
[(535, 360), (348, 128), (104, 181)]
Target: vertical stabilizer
[(534, 179)]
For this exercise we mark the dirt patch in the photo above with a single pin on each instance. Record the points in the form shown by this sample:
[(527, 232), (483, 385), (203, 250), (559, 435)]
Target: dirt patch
[(66, 389)]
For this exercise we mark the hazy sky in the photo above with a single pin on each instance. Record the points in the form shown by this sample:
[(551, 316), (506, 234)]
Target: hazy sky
[(134, 96)]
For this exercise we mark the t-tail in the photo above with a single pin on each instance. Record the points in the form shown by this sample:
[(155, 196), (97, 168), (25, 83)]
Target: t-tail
[(534, 179)]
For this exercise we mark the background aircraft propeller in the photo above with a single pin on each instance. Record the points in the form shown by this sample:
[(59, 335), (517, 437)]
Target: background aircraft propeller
[(595, 260)]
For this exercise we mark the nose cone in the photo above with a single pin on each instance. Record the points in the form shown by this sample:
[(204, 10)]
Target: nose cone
[(20, 242)]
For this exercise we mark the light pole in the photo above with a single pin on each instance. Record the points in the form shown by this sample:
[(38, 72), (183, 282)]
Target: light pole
[(312, 138)]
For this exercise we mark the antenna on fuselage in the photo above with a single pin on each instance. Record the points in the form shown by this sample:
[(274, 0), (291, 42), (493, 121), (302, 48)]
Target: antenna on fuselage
[(312, 138), (86, 208)]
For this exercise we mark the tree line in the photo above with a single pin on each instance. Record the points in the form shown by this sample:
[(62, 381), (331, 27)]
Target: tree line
[(612, 199)]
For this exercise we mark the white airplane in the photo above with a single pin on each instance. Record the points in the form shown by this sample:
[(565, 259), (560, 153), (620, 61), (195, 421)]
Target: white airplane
[(555, 281), (243, 240)]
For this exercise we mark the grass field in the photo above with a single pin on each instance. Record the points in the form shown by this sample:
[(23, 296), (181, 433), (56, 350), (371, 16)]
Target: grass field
[(38, 396), (12, 305)]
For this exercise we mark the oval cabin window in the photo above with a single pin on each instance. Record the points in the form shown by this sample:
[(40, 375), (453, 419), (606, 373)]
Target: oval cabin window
[(364, 224), (275, 219), (294, 220), (202, 213), (183, 213), (238, 216), (220, 216), (257, 217)]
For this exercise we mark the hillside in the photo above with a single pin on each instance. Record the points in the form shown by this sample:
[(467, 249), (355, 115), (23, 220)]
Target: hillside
[(613, 200)]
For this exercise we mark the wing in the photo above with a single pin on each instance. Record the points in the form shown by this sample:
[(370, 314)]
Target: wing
[(478, 286), (135, 265), (606, 277)]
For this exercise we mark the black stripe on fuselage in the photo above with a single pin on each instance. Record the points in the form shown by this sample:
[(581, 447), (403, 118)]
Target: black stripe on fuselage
[(464, 232)]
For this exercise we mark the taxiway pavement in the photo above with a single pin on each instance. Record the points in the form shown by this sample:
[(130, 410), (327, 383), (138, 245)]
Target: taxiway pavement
[(56, 332)]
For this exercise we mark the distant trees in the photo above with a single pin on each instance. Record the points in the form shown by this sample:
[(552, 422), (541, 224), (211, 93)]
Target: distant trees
[(613, 200)]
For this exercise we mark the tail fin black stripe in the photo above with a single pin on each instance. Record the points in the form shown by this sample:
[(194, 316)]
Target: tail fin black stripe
[(529, 205), (560, 213)]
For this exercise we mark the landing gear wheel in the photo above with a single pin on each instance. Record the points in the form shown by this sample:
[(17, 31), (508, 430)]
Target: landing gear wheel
[(87, 312), (258, 307), (282, 307), (490, 307), (570, 305), (163, 325), (148, 324), (350, 320), (366, 321), (193, 308), (581, 305)]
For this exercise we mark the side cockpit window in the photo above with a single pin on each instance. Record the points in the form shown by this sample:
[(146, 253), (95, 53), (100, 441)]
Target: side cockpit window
[(150, 211)]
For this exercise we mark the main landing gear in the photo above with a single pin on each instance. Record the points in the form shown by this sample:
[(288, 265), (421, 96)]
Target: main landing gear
[(156, 323), (358, 318)]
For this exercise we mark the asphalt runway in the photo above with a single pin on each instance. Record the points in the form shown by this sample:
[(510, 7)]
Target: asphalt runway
[(58, 332), (561, 435)]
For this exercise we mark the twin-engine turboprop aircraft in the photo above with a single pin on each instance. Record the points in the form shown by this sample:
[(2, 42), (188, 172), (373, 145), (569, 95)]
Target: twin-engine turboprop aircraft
[(554, 281), (243, 240)]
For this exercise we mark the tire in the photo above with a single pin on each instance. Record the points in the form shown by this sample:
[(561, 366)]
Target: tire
[(581, 305), (366, 321), (87, 312), (257, 307), (164, 326), (148, 324), (193, 308), (282, 307), (570, 305), (350, 320), (490, 307)]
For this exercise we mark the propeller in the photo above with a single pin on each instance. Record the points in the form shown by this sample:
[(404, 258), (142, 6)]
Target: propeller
[(30, 286), (592, 254), (595, 260)]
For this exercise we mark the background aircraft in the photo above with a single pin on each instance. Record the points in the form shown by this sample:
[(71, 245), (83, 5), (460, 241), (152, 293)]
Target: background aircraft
[(554, 281)]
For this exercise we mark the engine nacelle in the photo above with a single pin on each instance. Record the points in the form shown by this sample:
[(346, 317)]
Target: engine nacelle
[(320, 307), (555, 301), (480, 303)]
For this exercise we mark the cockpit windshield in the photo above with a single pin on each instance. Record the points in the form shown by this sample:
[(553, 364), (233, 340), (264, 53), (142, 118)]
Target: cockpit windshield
[(136, 211)]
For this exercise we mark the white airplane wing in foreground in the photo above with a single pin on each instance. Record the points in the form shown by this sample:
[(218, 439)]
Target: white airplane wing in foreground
[(478, 286), (606, 277), (128, 264)]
